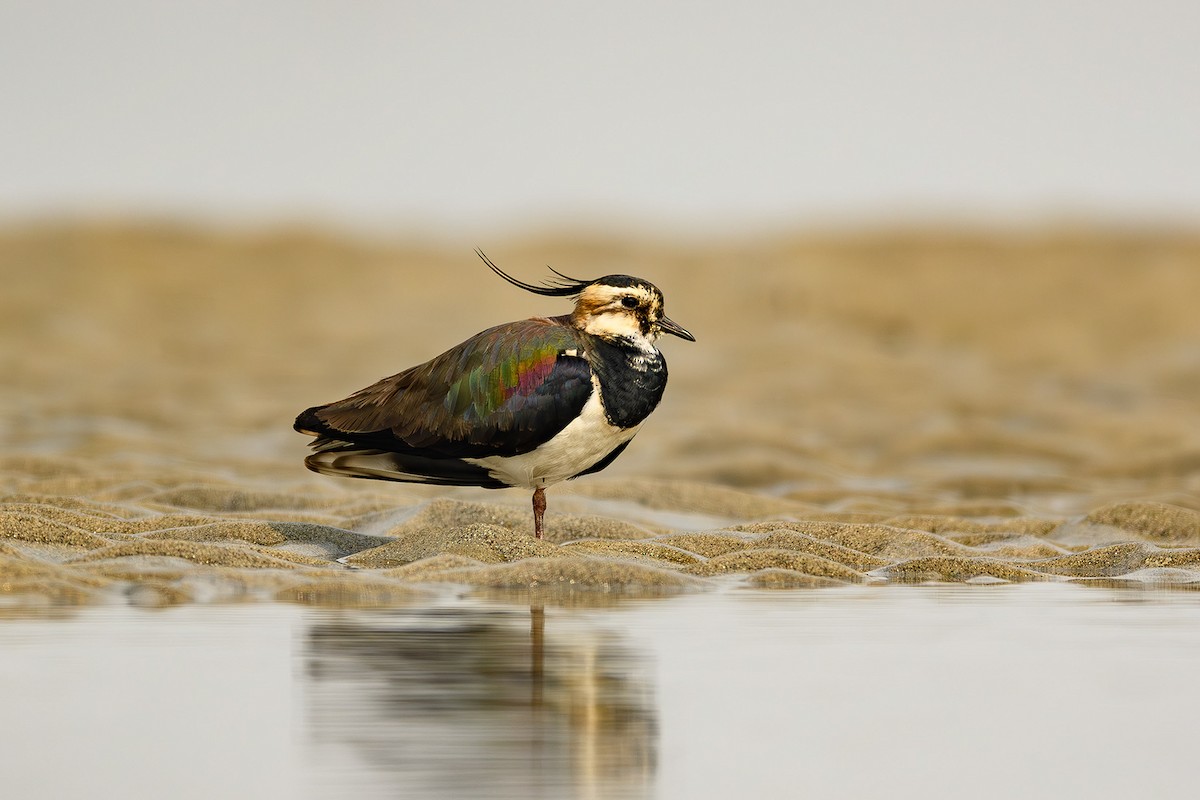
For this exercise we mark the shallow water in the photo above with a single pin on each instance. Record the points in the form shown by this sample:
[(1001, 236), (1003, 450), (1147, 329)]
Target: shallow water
[(1042, 689)]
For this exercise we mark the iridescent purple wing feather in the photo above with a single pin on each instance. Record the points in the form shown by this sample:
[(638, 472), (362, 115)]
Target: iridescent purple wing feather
[(502, 392)]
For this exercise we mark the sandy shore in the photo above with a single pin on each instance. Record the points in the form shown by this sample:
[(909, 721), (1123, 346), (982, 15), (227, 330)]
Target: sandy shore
[(858, 408)]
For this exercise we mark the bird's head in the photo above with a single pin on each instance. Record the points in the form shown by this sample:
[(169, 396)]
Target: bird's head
[(612, 307)]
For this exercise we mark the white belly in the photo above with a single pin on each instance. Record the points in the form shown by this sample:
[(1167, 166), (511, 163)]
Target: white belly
[(586, 440)]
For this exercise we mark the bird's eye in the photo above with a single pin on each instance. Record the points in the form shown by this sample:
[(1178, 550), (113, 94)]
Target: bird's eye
[(629, 302)]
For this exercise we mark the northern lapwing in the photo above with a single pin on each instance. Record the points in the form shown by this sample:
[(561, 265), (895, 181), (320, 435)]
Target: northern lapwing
[(526, 404)]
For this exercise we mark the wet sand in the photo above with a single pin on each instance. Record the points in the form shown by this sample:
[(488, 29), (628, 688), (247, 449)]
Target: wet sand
[(886, 407)]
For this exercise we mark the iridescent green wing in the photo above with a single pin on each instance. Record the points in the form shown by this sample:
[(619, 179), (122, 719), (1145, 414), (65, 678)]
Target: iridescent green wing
[(502, 392)]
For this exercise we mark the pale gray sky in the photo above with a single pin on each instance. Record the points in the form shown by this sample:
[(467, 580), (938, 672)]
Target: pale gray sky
[(691, 114)]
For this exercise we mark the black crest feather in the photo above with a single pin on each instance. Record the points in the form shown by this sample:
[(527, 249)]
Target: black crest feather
[(563, 286)]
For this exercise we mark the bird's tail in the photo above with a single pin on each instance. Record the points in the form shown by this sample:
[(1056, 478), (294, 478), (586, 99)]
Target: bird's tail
[(346, 460)]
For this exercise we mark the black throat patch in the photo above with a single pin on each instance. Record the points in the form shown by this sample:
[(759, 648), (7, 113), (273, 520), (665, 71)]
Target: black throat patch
[(631, 380)]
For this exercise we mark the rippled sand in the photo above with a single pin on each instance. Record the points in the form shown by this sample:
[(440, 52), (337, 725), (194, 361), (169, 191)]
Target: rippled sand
[(903, 407)]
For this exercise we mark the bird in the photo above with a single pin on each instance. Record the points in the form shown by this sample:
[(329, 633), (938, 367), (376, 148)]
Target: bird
[(524, 404)]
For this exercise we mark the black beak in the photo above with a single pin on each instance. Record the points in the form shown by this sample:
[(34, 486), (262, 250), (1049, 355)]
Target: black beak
[(675, 329)]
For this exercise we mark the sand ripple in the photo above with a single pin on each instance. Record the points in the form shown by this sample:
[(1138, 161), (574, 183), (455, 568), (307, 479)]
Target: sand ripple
[(883, 408), (78, 554)]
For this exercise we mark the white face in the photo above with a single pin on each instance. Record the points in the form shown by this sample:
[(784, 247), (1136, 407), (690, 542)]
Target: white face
[(630, 312)]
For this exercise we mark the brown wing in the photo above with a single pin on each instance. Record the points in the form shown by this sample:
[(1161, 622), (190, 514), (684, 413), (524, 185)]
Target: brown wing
[(502, 392)]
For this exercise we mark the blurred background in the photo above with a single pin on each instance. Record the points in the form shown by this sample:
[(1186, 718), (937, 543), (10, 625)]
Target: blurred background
[(463, 118)]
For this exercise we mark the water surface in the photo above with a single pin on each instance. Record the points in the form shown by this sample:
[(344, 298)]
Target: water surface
[(1049, 690)]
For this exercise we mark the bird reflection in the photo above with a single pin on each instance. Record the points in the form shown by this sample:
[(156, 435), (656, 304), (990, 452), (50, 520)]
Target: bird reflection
[(478, 703)]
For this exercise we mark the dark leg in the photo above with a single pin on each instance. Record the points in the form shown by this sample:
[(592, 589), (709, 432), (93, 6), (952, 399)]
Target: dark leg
[(539, 508)]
